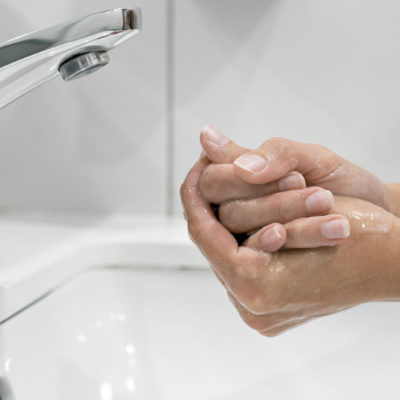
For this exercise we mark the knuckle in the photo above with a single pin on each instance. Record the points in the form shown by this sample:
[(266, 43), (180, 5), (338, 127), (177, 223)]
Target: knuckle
[(278, 140), (324, 150), (207, 183), (277, 147), (327, 157), (278, 143), (284, 209)]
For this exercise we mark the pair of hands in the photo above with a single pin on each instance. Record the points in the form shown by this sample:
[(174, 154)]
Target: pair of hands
[(335, 251)]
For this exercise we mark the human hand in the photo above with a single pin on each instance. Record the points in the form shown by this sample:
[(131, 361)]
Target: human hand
[(275, 292), (282, 217), (280, 206), (277, 157)]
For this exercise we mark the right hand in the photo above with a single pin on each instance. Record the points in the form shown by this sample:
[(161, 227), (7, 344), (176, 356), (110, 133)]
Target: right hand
[(276, 158)]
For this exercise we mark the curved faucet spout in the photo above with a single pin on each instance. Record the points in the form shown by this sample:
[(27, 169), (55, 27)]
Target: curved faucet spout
[(72, 49)]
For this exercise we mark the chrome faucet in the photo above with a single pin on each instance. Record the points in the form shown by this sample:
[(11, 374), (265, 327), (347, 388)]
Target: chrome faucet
[(72, 49)]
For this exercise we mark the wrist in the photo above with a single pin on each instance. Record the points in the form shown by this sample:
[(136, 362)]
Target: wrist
[(390, 256)]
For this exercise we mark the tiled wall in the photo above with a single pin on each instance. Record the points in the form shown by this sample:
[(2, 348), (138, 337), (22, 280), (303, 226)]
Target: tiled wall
[(311, 70)]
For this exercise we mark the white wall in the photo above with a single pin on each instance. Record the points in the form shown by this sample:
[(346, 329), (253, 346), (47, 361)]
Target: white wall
[(97, 144), (311, 70)]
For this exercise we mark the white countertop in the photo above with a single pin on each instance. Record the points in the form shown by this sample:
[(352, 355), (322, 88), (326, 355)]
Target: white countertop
[(39, 252)]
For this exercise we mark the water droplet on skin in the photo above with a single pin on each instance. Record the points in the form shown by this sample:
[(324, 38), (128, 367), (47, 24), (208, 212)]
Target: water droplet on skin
[(277, 267), (372, 222)]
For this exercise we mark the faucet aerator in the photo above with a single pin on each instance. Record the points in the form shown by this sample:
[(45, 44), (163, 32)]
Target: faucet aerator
[(83, 64)]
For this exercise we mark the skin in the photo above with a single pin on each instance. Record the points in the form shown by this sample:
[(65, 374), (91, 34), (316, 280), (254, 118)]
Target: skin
[(393, 191), (319, 166), (274, 292), (239, 192)]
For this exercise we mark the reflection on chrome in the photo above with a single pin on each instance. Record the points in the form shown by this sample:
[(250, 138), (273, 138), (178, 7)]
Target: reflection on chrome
[(75, 48)]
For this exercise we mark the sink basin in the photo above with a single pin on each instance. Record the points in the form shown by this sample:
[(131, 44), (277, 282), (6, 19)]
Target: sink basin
[(119, 307), (171, 334)]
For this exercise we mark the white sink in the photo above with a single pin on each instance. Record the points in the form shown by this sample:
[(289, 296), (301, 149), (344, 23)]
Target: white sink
[(172, 335), (164, 333)]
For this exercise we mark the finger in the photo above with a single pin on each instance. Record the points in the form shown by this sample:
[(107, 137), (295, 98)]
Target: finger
[(270, 238), (245, 215), (317, 231), (211, 237), (219, 183), (276, 157), (303, 233), (218, 147), (234, 265)]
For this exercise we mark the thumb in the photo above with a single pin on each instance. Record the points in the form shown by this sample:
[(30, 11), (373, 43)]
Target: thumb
[(218, 147), (278, 156)]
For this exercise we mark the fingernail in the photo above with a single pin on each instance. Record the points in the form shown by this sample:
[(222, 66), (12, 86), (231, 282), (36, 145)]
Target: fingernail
[(215, 136), (319, 201), (251, 162), (270, 236), (336, 229), (291, 182)]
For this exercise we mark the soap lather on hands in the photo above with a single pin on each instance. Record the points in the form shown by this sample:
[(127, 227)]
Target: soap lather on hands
[(276, 291)]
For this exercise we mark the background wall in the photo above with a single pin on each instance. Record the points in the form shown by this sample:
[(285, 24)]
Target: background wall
[(123, 139), (315, 71), (96, 144)]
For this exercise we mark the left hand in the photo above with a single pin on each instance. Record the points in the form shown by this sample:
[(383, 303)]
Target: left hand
[(275, 292)]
